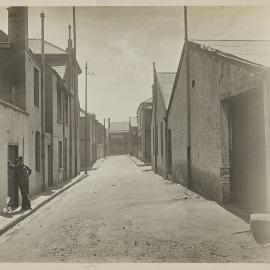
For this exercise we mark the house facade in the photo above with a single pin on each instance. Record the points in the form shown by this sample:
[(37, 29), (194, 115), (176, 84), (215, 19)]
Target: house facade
[(20, 117), (218, 127), (162, 88), (21, 104), (144, 116)]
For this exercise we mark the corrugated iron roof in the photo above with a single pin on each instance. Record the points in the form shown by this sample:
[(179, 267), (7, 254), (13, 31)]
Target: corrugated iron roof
[(119, 126), (60, 70), (166, 81), (49, 48), (254, 51), (149, 100)]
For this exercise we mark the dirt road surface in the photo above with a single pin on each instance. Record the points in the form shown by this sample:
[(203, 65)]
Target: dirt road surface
[(125, 213)]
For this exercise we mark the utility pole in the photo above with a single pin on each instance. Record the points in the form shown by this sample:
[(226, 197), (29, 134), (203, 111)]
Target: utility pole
[(188, 100), (109, 127), (42, 16), (75, 91), (129, 137), (85, 125), (104, 137)]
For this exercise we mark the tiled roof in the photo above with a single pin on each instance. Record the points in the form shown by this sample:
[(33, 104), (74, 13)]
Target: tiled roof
[(119, 126), (257, 52), (49, 48), (133, 121), (166, 80)]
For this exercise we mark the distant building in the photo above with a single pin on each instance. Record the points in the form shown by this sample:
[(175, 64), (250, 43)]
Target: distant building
[(133, 139), (144, 116), (118, 138), (228, 125), (91, 147), (162, 88), (100, 140)]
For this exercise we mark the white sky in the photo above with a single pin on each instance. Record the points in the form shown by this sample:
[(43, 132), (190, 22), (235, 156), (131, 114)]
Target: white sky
[(121, 43)]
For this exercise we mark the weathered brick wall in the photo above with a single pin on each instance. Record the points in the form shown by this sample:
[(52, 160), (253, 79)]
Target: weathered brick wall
[(177, 122), (204, 124), (212, 78), (14, 130)]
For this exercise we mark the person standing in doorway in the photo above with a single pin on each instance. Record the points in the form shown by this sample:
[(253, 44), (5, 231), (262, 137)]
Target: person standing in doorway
[(22, 173)]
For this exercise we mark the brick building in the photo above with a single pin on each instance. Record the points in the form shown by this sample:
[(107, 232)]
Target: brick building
[(91, 148), (21, 104), (20, 114), (133, 136), (118, 138), (144, 116), (100, 140), (227, 127), (162, 88)]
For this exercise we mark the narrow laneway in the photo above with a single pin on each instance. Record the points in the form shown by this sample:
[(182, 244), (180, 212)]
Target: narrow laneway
[(125, 213)]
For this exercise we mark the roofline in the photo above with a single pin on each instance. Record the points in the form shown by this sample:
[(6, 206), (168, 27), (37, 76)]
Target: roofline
[(49, 44), (176, 78), (215, 52), (226, 55), (162, 95)]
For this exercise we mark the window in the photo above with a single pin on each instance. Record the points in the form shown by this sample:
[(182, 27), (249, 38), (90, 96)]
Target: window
[(36, 87), (37, 145), (66, 108), (60, 151), (161, 138), (59, 105)]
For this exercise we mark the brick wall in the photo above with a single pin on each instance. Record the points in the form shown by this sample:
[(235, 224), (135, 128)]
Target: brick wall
[(14, 130), (177, 123), (211, 79)]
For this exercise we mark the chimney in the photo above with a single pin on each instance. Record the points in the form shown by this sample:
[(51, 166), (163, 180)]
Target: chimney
[(18, 37), (18, 27)]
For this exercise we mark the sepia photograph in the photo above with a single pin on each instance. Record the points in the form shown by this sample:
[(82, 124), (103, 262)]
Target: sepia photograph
[(134, 132)]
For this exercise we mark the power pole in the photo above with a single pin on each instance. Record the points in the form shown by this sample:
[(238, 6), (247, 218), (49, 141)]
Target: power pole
[(42, 16), (85, 130), (75, 92), (188, 100), (129, 137), (104, 137), (109, 127)]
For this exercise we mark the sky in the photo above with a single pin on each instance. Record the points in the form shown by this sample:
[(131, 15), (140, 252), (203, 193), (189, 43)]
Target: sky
[(120, 45)]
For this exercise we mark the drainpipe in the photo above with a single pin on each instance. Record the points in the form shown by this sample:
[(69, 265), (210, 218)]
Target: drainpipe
[(75, 93), (104, 139), (155, 117), (42, 107), (109, 136), (166, 144), (188, 101), (71, 86)]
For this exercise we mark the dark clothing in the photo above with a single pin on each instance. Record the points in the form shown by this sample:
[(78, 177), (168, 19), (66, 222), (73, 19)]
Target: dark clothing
[(22, 173), (26, 204)]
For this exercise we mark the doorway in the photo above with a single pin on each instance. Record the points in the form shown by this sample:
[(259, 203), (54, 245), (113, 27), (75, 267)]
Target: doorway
[(13, 190), (248, 172)]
